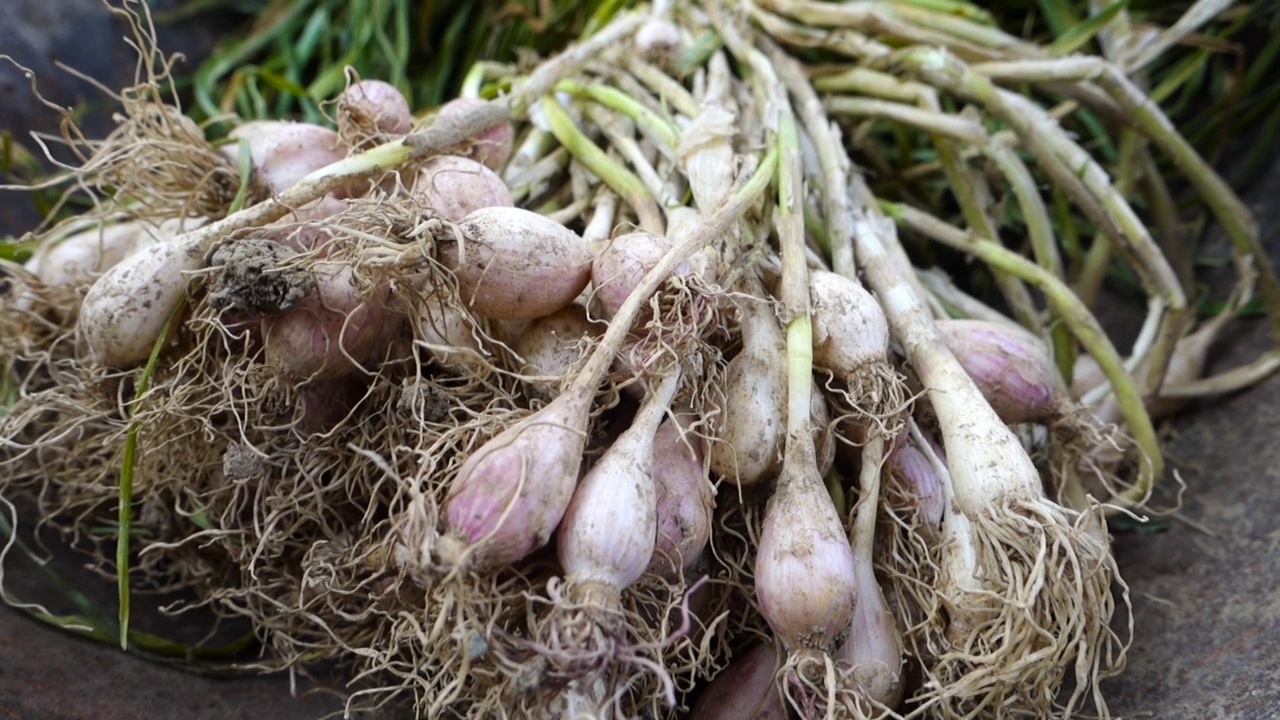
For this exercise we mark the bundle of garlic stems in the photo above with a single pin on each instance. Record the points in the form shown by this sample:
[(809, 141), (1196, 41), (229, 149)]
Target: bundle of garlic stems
[(612, 388)]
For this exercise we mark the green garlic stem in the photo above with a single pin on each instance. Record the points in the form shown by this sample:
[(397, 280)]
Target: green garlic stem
[(1077, 317), (657, 128), (614, 174)]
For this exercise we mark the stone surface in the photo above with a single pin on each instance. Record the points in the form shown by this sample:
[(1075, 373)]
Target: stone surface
[(48, 675), (82, 35), (1207, 628), (1206, 594)]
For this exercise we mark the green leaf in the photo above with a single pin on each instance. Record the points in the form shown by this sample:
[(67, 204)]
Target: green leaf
[(1253, 309), (317, 28), (1059, 15), (8, 390), (1080, 33), (125, 491), (281, 19), (281, 83), (16, 251), (603, 14), (201, 520)]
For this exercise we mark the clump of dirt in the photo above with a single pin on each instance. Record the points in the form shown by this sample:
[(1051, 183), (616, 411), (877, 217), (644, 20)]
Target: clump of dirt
[(254, 276)]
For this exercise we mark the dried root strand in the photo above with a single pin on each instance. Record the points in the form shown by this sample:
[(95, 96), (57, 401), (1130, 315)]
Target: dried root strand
[(1045, 612)]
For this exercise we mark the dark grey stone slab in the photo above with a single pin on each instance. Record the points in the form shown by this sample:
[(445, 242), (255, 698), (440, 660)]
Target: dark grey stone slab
[(82, 35), (1206, 593)]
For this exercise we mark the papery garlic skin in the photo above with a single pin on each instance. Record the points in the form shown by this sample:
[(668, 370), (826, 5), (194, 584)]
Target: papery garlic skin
[(510, 495), (804, 565)]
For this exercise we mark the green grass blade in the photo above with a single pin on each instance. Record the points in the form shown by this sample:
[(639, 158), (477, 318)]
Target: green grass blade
[(1079, 34), (282, 83), (1059, 15), (285, 16), (125, 517), (603, 15), (311, 38), (1182, 75)]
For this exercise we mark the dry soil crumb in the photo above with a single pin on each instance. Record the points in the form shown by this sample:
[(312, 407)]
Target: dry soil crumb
[(253, 277), (240, 463)]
